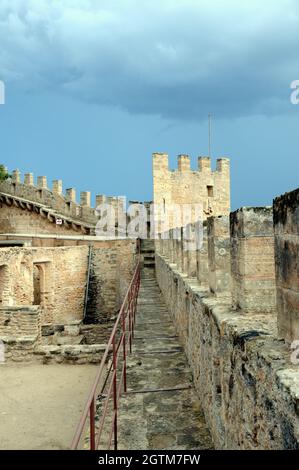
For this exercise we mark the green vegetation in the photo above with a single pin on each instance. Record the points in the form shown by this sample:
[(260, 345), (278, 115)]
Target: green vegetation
[(3, 173)]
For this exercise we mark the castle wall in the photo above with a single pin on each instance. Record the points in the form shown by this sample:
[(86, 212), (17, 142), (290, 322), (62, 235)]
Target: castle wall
[(209, 188), (218, 265), (286, 225), (244, 374), (18, 322), (37, 197), (46, 285), (20, 332), (16, 220), (61, 268), (61, 280), (113, 263), (53, 198), (16, 277), (252, 258), (65, 275), (202, 260)]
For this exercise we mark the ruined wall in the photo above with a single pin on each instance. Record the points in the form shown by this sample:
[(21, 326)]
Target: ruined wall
[(47, 286), (286, 224), (16, 275), (59, 273), (112, 267), (185, 186), (65, 276), (20, 332), (244, 375), (62, 280), (20, 321)]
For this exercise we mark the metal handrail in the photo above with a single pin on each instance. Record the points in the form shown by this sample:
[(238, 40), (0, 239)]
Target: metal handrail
[(125, 323)]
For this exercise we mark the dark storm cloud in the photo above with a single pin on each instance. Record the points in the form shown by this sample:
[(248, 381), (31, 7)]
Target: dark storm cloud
[(178, 59)]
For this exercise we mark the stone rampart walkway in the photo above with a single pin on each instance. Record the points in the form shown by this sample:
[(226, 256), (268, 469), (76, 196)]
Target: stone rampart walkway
[(161, 409)]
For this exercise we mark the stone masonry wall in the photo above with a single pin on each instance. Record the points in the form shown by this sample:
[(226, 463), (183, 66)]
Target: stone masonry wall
[(56, 277), (209, 188), (20, 321), (62, 271), (286, 224), (20, 332), (64, 302), (112, 267), (15, 220), (16, 274), (62, 280), (53, 198), (252, 258), (245, 375), (218, 254)]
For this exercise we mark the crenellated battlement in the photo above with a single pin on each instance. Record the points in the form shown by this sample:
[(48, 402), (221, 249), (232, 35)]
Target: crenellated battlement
[(232, 287), (161, 162), (184, 163), (64, 203), (53, 197), (118, 203), (205, 185)]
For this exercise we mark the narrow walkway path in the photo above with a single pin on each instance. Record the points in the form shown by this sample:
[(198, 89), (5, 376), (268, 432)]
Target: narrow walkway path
[(161, 409)]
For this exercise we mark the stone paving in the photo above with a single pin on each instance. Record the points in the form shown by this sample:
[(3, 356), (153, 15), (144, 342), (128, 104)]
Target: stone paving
[(161, 409)]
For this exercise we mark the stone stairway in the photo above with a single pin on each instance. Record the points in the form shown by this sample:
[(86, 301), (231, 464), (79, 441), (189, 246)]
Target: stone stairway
[(161, 409), (148, 253)]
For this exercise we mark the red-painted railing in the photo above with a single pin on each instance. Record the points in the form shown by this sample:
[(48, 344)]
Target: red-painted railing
[(111, 378)]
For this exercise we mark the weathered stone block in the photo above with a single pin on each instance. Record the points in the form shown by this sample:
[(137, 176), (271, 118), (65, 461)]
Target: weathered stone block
[(219, 255), (252, 260), (286, 227), (202, 259)]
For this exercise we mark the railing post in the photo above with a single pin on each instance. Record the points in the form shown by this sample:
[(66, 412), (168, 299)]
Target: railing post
[(132, 309), (135, 298), (115, 393), (130, 321), (92, 425)]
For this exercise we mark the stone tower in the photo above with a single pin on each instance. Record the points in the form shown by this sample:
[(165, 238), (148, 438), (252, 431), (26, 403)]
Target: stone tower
[(209, 188)]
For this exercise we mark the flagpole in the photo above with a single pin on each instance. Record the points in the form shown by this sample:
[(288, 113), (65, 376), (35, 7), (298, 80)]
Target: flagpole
[(210, 135)]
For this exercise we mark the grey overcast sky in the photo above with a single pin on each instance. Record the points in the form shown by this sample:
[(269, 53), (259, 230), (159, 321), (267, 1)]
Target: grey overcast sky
[(94, 87)]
